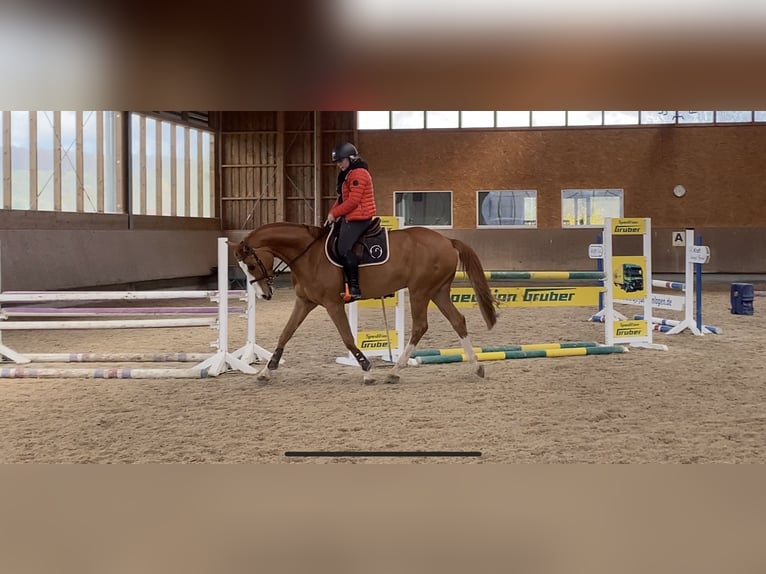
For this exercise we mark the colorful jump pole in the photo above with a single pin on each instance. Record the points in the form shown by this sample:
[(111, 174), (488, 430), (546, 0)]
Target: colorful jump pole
[(537, 275), (539, 353), (503, 348)]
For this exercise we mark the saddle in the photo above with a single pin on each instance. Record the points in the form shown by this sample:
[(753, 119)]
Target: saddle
[(371, 249)]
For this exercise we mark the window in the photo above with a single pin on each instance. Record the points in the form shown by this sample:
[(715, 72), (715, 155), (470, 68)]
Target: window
[(429, 208), (60, 161), (172, 168), (507, 208), (733, 117), (620, 118), (549, 118), (372, 120), (407, 120), (695, 117), (479, 119), (443, 119), (584, 118), (589, 207), (659, 117), (519, 119)]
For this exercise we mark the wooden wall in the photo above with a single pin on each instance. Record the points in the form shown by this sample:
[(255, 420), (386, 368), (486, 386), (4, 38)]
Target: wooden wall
[(275, 165)]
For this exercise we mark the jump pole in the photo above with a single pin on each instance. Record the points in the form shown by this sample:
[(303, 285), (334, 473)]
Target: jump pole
[(503, 348), (538, 353)]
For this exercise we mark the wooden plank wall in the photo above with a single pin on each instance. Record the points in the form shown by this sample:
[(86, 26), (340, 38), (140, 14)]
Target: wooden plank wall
[(273, 165)]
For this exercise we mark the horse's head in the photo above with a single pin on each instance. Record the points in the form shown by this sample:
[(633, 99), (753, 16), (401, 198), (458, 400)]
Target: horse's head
[(260, 268)]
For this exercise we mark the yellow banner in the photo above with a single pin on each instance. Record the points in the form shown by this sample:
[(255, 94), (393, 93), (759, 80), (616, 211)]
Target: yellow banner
[(629, 226), (376, 340), (629, 329), (390, 302), (390, 221), (531, 296), (628, 276)]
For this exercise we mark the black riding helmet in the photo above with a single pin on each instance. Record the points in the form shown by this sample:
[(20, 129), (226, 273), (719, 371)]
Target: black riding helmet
[(343, 151)]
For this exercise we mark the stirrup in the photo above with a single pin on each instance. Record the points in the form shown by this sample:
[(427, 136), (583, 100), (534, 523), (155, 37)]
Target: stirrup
[(348, 297)]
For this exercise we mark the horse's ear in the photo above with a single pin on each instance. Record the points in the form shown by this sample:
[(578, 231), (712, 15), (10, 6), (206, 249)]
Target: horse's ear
[(231, 243)]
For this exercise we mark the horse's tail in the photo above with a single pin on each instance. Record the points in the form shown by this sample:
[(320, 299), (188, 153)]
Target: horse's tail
[(473, 267)]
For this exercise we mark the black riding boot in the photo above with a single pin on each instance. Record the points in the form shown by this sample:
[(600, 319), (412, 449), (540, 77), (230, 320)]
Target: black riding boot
[(351, 268)]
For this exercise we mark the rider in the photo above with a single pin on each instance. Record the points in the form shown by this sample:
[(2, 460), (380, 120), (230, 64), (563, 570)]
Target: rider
[(354, 208)]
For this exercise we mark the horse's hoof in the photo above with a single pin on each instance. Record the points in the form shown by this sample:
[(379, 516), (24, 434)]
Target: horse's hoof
[(393, 379), (480, 371), (369, 380), (263, 375)]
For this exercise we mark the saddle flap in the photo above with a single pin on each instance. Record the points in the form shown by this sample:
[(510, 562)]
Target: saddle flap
[(374, 246)]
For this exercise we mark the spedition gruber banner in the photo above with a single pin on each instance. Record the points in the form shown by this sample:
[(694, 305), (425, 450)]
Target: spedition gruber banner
[(532, 296)]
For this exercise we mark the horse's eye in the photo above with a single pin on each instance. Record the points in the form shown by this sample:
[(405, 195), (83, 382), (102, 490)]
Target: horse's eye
[(251, 267)]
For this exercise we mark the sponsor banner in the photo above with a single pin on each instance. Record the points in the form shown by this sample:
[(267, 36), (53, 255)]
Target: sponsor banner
[(628, 276), (668, 302), (390, 221), (531, 296), (371, 341), (628, 226), (390, 302), (629, 329)]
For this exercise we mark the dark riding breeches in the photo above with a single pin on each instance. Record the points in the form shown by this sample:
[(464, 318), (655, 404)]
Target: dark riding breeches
[(348, 235)]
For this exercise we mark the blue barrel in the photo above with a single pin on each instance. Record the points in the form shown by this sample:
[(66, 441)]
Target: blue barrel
[(742, 295)]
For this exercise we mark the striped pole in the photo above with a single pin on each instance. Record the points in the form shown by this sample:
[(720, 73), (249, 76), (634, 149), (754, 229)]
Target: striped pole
[(670, 323), (669, 285), (539, 353), (503, 348), (101, 373), (117, 357), (107, 324), (537, 275), (117, 311)]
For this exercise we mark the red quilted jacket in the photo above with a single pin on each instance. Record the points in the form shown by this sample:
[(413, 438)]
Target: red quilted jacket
[(358, 197)]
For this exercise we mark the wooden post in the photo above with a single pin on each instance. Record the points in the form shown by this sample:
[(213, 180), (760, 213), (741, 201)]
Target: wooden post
[(56, 161), (33, 160), (280, 176)]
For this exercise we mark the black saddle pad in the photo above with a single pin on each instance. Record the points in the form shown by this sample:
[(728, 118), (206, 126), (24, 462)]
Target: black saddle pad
[(372, 248)]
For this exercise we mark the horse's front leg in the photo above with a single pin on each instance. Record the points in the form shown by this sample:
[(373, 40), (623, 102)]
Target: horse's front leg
[(339, 317), (301, 309)]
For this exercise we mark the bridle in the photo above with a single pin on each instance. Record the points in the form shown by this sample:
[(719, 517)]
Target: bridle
[(250, 252)]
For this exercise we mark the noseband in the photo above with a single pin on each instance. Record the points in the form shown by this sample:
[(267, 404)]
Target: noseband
[(250, 252)]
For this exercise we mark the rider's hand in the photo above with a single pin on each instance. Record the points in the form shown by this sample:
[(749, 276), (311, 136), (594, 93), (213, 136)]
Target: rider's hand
[(330, 219)]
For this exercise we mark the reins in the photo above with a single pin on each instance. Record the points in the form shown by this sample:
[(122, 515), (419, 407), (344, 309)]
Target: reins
[(279, 269)]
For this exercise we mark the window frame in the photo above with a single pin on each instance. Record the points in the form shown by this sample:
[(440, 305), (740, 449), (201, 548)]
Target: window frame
[(479, 225), (404, 220), (620, 194)]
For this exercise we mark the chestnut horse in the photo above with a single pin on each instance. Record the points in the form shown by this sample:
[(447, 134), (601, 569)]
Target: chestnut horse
[(421, 260)]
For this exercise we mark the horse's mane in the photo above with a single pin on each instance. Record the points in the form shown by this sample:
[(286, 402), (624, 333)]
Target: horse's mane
[(311, 230)]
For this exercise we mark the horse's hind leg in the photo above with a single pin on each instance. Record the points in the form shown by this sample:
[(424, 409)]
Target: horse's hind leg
[(301, 309), (444, 302), (339, 318)]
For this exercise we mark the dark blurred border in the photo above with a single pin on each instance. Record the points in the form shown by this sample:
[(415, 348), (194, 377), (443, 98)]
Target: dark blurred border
[(323, 55), (382, 518)]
